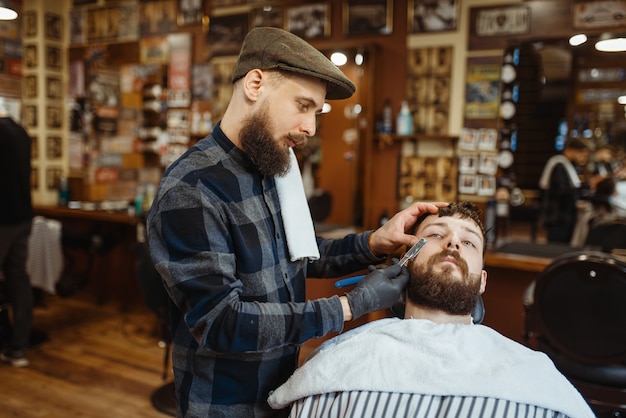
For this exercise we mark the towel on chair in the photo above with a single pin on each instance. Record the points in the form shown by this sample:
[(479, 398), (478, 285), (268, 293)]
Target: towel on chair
[(544, 181), (44, 263), (294, 208)]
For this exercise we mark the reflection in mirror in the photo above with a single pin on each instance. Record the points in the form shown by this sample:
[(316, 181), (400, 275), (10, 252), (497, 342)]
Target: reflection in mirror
[(566, 91)]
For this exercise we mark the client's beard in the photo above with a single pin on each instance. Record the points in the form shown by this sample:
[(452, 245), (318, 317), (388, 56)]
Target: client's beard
[(440, 289), (269, 156)]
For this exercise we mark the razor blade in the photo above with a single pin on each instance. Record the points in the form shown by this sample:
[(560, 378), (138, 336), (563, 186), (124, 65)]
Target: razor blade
[(413, 251)]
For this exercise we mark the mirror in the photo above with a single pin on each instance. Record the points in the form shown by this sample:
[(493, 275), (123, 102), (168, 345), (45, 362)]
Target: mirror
[(566, 92)]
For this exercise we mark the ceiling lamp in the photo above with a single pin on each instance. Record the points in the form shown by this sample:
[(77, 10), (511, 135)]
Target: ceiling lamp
[(611, 43), (339, 58), (578, 39), (6, 13)]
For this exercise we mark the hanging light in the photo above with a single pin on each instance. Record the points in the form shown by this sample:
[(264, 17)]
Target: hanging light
[(578, 39), (611, 43), (6, 13), (339, 58)]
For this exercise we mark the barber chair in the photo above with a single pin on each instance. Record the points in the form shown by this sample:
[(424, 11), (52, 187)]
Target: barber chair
[(156, 298), (607, 236), (575, 313), (80, 245)]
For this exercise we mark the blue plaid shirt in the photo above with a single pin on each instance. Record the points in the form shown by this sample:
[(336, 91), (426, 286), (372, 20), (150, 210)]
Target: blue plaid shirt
[(216, 237)]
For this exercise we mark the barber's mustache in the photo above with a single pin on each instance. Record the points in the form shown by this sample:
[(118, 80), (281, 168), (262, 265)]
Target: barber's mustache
[(297, 139)]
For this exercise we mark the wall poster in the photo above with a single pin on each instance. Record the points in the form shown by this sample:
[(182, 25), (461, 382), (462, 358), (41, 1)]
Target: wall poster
[(482, 91)]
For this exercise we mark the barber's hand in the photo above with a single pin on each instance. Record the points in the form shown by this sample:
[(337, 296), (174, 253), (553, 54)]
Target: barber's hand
[(380, 289), (397, 231)]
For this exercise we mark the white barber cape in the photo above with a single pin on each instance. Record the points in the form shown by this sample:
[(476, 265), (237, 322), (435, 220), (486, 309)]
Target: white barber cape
[(422, 357)]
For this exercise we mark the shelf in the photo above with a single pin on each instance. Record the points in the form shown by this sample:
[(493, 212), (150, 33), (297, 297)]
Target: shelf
[(384, 140)]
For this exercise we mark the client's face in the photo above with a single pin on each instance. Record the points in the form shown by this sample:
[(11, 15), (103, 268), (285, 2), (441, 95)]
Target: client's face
[(447, 274)]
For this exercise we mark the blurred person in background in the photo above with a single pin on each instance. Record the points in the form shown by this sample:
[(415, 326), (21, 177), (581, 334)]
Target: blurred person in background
[(16, 214)]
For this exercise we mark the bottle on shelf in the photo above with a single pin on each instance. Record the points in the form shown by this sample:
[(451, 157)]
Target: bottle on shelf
[(404, 122), (64, 191), (387, 120)]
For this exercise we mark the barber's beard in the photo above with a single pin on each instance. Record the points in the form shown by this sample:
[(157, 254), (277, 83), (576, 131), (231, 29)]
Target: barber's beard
[(437, 287), (270, 156)]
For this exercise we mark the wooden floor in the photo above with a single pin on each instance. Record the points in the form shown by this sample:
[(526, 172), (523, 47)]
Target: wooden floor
[(97, 362)]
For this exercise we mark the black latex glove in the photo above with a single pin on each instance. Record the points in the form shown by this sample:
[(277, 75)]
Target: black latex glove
[(380, 289)]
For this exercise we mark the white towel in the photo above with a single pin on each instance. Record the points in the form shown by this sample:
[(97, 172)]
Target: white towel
[(44, 263), (544, 181), (297, 220)]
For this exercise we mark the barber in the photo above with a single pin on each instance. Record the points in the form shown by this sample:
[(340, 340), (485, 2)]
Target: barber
[(232, 237)]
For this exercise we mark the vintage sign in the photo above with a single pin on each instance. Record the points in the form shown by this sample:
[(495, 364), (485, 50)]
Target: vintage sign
[(503, 21)]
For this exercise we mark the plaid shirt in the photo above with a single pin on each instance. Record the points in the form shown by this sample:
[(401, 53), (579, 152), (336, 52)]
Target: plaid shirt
[(216, 237)]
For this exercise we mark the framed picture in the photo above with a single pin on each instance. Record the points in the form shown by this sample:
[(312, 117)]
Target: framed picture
[(34, 178), (53, 117), (487, 139), (190, 12), (482, 91), (157, 17), (77, 26), (30, 56), (30, 86), (226, 34), (34, 148), (365, 17), (53, 177), (432, 15), (54, 26), (53, 88), (598, 14), (506, 20), (468, 184), (53, 57), (267, 16), (486, 185), (468, 163), (309, 21), (468, 139), (54, 148), (30, 116), (202, 81), (30, 24), (488, 164)]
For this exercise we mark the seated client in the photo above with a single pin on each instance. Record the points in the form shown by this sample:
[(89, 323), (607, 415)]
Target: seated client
[(435, 362)]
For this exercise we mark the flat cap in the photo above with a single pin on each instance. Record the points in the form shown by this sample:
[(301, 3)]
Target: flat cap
[(268, 48)]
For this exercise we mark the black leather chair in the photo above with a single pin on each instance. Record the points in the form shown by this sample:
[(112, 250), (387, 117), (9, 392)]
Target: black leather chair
[(607, 235), (576, 314)]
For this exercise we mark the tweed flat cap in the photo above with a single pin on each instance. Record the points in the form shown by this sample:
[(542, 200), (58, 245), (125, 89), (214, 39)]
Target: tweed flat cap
[(268, 48)]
